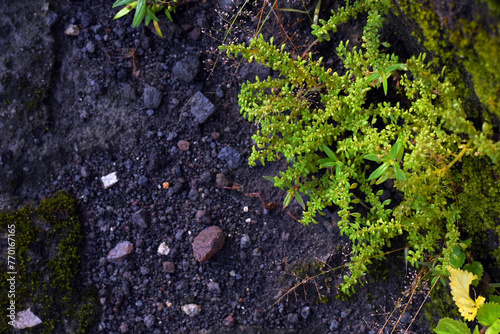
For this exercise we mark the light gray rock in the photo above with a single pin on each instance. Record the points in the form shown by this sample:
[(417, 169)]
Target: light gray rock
[(26, 319), (151, 97), (201, 107), (245, 241), (186, 69), (109, 180), (214, 288), (121, 250), (191, 309), (90, 47), (305, 312), (231, 156), (149, 320)]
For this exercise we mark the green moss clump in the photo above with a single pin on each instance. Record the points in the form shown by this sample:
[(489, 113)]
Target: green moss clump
[(47, 248), (442, 306), (478, 197), (464, 46), (479, 50)]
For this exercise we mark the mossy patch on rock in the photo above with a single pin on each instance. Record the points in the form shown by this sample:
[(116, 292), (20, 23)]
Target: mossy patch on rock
[(442, 306), (464, 37), (478, 195), (47, 250)]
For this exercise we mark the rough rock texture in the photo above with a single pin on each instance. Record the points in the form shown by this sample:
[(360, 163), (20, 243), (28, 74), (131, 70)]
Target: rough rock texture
[(141, 218), (201, 107), (187, 68), (26, 319), (191, 309), (231, 156), (26, 64), (207, 243), (120, 252), (151, 97)]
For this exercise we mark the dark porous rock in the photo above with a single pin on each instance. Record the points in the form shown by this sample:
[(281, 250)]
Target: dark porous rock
[(128, 93), (143, 180), (293, 318), (141, 218), (86, 19), (201, 107), (203, 217), (121, 250), (151, 97), (231, 156), (334, 324), (251, 70), (207, 243), (195, 34), (187, 68), (221, 180), (193, 194), (214, 288), (206, 177), (169, 267)]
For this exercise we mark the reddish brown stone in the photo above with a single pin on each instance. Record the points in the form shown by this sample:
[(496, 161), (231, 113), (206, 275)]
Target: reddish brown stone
[(183, 145), (120, 251), (207, 243), (215, 135), (229, 321), (169, 267)]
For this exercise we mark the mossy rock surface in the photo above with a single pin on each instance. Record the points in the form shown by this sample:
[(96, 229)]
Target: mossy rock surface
[(47, 250), (463, 36)]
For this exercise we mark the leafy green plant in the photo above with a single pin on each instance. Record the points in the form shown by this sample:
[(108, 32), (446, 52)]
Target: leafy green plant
[(146, 10), (342, 142), (292, 192), (390, 164)]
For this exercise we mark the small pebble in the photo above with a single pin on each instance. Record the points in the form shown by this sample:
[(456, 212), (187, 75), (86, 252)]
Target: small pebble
[(169, 267), (245, 241), (183, 145), (229, 321), (163, 249), (191, 309), (215, 135)]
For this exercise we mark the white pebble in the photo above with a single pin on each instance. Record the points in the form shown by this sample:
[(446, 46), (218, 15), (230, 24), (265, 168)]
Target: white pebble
[(163, 249), (191, 309), (109, 180)]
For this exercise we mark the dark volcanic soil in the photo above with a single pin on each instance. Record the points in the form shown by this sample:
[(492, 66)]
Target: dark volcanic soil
[(118, 99)]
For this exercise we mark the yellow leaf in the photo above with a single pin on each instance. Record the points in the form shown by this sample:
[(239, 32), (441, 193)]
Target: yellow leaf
[(157, 28), (460, 280)]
